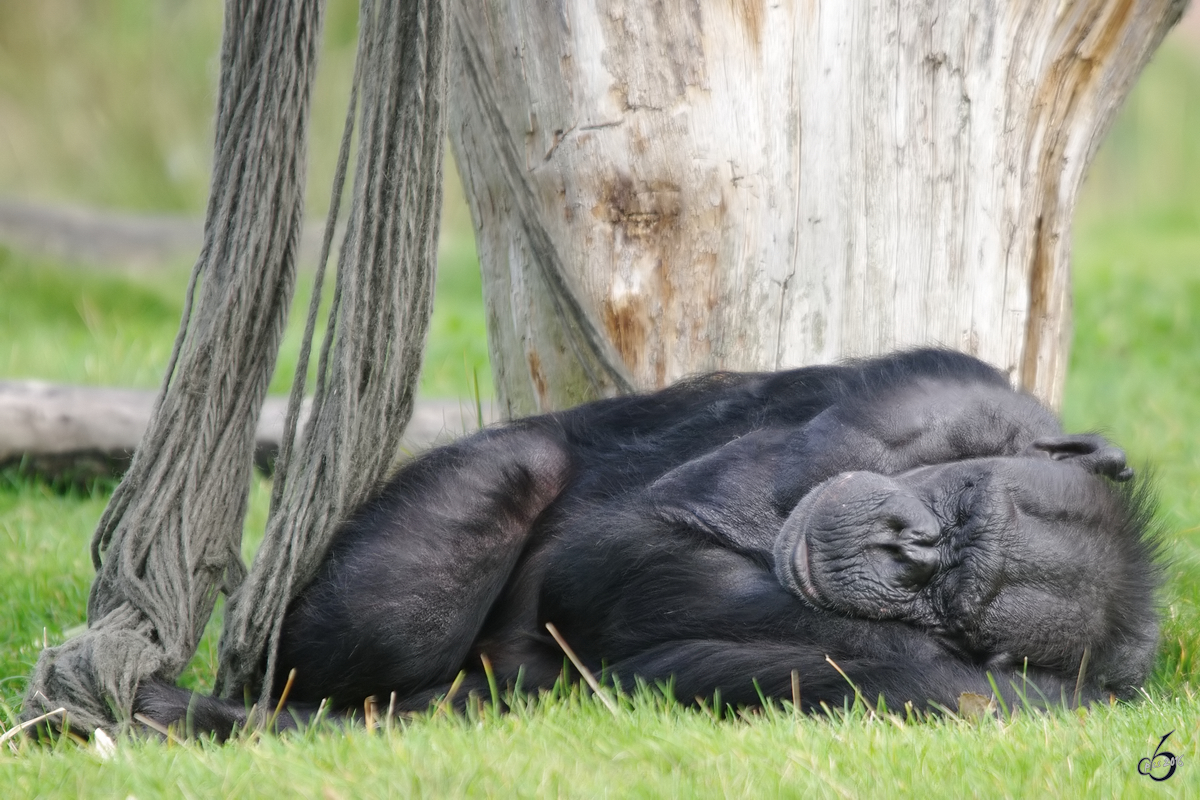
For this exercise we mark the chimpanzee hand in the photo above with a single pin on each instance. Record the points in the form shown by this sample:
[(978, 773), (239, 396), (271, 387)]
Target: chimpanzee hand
[(1091, 451)]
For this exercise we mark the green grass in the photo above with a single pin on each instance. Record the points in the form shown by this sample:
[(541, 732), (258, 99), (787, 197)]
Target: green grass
[(1135, 359), (108, 103), (1135, 372), (83, 326), (88, 326), (44, 576), (572, 746)]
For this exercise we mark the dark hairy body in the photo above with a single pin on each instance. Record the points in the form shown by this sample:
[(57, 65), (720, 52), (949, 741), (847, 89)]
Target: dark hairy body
[(910, 518)]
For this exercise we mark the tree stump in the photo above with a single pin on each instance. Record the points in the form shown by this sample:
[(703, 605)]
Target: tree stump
[(672, 187)]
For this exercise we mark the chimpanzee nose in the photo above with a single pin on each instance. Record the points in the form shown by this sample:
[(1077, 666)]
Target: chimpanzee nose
[(920, 562)]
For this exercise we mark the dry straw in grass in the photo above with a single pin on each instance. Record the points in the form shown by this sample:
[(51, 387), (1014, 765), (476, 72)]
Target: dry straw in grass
[(584, 671)]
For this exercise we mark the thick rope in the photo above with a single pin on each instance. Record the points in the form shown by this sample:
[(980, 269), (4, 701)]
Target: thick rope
[(171, 535), (172, 531), (376, 331)]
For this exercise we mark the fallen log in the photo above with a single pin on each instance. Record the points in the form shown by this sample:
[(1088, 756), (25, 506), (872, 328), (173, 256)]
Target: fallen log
[(76, 434), (103, 237)]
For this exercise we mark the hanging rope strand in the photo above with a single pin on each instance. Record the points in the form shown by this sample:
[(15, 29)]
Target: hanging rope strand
[(171, 534), (299, 380), (375, 333)]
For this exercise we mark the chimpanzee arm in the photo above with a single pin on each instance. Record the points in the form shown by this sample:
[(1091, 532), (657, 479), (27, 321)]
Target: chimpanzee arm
[(925, 421), (887, 423), (933, 420), (884, 422), (727, 494), (742, 492), (411, 577)]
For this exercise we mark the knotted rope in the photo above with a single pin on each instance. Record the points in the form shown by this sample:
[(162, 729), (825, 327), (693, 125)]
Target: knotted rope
[(170, 538)]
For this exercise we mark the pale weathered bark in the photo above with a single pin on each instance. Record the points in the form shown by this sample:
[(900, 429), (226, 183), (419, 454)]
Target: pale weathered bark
[(661, 188)]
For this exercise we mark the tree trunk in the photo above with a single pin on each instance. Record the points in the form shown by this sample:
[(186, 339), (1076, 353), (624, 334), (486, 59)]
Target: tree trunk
[(663, 188)]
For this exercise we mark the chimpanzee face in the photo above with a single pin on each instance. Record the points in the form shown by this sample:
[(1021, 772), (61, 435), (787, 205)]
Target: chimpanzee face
[(1011, 561)]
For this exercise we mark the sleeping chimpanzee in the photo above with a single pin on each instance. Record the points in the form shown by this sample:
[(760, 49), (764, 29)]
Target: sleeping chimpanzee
[(910, 518)]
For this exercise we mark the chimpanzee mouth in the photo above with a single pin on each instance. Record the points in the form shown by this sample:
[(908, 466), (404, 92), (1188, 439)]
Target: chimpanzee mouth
[(803, 574), (793, 557)]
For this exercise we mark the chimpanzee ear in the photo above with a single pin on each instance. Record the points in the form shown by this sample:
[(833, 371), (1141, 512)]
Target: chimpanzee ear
[(1090, 451)]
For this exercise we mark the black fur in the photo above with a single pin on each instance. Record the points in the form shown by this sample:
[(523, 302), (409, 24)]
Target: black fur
[(911, 518)]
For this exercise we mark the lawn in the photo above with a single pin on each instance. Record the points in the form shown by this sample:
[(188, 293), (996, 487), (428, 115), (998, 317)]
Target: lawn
[(1135, 373)]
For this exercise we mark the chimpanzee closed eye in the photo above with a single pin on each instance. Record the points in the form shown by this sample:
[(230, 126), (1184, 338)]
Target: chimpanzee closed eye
[(911, 519)]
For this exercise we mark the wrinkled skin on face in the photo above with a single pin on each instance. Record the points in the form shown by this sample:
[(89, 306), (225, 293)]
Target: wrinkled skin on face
[(1009, 560)]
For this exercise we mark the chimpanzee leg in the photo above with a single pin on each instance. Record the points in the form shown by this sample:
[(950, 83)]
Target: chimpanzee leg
[(745, 673), (410, 578)]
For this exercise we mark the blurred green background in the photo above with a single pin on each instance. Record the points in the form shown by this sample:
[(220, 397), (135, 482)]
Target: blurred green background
[(108, 104)]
